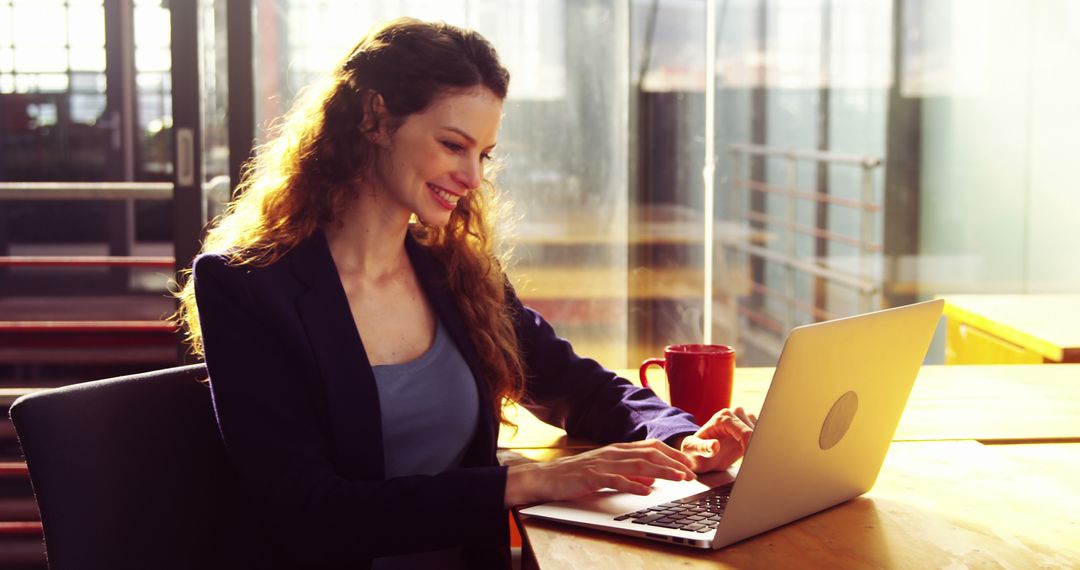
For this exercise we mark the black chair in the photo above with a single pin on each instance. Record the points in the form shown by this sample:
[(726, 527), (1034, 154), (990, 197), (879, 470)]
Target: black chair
[(130, 472)]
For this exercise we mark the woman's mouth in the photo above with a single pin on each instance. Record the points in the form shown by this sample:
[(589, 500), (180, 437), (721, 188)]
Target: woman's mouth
[(445, 198)]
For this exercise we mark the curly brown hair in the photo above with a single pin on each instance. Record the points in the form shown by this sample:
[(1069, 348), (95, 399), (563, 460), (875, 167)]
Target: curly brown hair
[(303, 178)]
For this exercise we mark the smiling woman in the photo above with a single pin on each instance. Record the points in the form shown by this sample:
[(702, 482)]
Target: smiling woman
[(361, 336), (338, 158)]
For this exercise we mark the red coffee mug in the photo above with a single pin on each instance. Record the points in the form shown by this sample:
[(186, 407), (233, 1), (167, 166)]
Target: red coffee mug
[(699, 377)]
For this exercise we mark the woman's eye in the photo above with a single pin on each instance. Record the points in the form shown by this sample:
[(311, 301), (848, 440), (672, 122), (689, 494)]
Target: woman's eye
[(452, 146), (485, 157)]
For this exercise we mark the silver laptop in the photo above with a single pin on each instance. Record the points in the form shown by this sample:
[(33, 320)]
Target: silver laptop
[(831, 411)]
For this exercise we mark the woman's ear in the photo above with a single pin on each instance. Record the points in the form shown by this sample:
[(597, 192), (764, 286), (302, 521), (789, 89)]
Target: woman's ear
[(375, 124)]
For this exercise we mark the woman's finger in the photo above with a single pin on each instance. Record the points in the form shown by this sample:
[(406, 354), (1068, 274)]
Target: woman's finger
[(727, 425), (659, 457), (739, 430), (700, 446), (619, 483), (669, 456), (725, 414), (745, 417), (727, 456), (714, 429), (665, 449), (647, 481), (643, 468)]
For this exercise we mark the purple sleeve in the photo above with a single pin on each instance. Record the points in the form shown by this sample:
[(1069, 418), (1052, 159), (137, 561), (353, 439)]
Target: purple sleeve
[(581, 396)]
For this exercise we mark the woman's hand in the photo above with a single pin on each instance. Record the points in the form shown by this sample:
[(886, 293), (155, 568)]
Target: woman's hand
[(721, 441), (630, 467)]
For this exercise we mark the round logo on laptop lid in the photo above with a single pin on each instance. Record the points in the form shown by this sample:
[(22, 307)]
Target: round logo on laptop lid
[(839, 420)]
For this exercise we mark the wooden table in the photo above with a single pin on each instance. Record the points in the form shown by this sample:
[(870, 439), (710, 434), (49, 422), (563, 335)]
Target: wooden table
[(943, 504), (1007, 329), (1016, 403), (943, 499)]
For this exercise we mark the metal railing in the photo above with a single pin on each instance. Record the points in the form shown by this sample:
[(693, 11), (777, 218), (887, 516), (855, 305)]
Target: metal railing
[(215, 192), (62, 341), (86, 261), (158, 191), (781, 221)]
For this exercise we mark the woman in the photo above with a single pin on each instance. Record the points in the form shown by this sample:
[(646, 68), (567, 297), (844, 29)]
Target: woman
[(361, 337)]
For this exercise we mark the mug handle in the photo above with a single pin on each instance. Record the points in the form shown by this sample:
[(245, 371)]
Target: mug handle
[(645, 365)]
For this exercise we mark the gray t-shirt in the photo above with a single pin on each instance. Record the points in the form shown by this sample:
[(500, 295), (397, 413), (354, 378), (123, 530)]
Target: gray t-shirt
[(430, 410)]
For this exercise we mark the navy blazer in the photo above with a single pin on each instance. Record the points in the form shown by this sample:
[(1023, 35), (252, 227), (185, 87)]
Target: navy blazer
[(298, 410)]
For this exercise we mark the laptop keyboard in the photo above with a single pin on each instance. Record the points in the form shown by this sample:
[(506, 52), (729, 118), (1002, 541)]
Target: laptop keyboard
[(696, 513)]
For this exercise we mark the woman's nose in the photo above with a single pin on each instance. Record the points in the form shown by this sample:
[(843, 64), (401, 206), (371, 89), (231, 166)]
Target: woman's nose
[(470, 174)]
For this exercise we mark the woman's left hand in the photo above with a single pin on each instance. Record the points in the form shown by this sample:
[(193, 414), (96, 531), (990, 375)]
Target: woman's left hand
[(721, 441)]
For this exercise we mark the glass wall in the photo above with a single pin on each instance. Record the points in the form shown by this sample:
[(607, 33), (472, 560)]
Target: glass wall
[(55, 84), (868, 153), (52, 89), (854, 169), (669, 141), (902, 150), (999, 83), (153, 84), (84, 97), (802, 92)]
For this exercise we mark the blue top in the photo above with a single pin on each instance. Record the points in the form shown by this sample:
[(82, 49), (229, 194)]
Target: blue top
[(429, 410)]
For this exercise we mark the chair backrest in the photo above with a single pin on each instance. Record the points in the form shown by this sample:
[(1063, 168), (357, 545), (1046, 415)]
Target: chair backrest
[(131, 472)]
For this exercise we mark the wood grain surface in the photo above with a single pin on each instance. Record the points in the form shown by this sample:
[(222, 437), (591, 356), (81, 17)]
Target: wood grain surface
[(944, 504)]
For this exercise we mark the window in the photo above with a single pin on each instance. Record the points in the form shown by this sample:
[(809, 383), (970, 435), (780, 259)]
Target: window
[(52, 89)]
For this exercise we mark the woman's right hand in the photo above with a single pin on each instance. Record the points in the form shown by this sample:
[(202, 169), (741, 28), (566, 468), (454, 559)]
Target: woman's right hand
[(630, 467)]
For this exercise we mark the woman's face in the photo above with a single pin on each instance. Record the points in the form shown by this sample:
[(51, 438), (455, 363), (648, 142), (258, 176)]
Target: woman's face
[(436, 157)]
